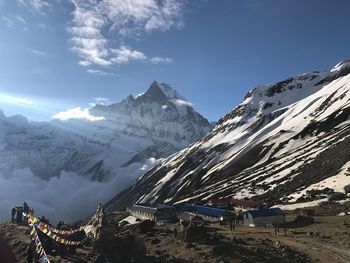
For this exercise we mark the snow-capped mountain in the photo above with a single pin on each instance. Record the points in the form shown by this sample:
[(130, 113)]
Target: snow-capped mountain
[(281, 143), (123, 139)]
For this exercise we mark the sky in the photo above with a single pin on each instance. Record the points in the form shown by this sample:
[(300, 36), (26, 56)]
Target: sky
[(61, 54)]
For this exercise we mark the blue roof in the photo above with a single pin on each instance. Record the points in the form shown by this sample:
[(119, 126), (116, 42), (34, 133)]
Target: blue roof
[(266, 212), (205, 210)]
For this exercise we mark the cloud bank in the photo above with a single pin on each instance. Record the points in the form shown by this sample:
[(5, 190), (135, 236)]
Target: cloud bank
[(69, 197)]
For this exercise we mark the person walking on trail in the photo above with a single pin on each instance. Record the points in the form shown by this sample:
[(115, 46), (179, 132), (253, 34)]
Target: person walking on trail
[(277, 230), (232, 226), (175, 232), (13, 213)]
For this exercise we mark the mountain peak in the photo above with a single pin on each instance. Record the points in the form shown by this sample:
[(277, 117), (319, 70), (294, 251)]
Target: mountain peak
[(341, 65), (129, 99), (160, 92)]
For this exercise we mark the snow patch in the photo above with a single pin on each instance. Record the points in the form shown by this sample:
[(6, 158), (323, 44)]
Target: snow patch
[(131, 220)]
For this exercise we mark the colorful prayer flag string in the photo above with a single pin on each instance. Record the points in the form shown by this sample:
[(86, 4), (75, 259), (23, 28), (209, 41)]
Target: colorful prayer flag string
[(55, 234), (38, 246)]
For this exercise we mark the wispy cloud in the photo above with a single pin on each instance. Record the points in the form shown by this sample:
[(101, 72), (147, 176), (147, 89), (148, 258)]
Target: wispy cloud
[(38, 6), (21, 19), (96, 24), (10, 99), (14, 20), (42, 26), (84, 63), (124, 54), (99, 72), (37, 52), (182, 102), (23, 101), (7, 21), (101, 100), (77, 113), (159, 60)]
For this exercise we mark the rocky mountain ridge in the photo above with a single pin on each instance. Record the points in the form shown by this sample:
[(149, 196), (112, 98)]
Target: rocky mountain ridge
[(283, 141), (120, 140)]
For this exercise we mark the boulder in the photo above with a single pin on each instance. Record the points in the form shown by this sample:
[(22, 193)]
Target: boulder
[(336, 196), (347, 189)]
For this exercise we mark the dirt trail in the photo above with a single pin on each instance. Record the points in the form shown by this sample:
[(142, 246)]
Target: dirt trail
[(158, 244), (313, 247), (332, 244)]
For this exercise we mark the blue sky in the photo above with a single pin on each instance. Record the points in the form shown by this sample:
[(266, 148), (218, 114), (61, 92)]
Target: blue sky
[(60, 54)]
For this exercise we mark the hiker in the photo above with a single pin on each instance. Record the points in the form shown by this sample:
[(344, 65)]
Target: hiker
[(277, 230), (60, 224), (25, 208), (285, 231), (104, 217), (19, 216), (44, 220), (13, 213), (232, 225), (175, 232)]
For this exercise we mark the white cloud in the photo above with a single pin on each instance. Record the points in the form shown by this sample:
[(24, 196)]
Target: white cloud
[(101, 100), (50, 197), (159, 60), (12, 19), (38, 6), (124, 55), (37, 52), (76, 113), (99, 72), (182, 102), (96, 24), (84, 63), (21, 19)]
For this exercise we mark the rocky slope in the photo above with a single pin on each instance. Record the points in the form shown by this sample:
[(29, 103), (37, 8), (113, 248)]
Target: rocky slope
[(124, 138), (282, 142)]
